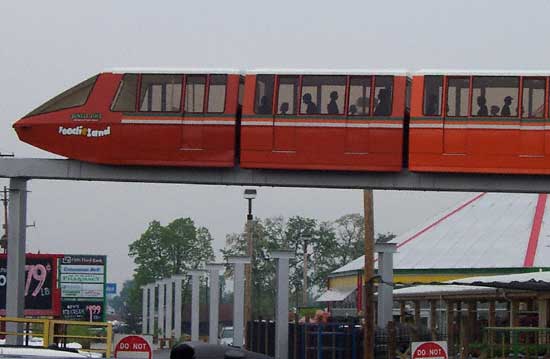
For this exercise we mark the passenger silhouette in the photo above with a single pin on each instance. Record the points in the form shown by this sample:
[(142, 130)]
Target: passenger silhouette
[(506, 108), (482, 103), (264, 106), (495, 110), (353, 110), (383, 105), (311, 106), (432, 105), (332, 107), (284, 108)]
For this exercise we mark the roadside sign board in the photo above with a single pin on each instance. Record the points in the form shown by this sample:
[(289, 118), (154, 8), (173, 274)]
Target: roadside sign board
[(429, 350), (82, 280), (110, 288), (133, 346)]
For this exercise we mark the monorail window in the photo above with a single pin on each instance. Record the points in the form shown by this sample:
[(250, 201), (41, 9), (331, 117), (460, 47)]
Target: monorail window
[(323, 94), (383, 88), (263, 102), (216, 93), (359, 95), (160, 93), (433, 93), (533, 98), (495, 96), (125, 99), (194, 93), (73, 97), (287, 95), (458, 91)]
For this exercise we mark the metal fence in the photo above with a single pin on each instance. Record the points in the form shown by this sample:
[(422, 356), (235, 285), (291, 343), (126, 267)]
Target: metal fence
[(342, 340)]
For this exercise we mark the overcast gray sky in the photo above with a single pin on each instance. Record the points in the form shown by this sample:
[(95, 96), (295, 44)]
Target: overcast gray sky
[(48, 46)]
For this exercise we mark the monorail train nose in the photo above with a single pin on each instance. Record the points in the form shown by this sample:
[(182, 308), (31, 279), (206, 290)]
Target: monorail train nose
[(22, 127)]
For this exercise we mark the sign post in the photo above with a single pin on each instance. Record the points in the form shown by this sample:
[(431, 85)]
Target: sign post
[(133, 346), (429, 350)]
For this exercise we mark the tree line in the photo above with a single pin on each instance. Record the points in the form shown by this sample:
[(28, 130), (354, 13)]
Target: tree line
[(162, 251)]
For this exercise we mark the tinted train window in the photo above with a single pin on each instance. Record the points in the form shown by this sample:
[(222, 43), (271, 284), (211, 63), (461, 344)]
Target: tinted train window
[(216, 93), (263, 102), (125, 99), (323, 94), (383, 89), (533, 98), (495, 96), (433, 93), (75, 96), (458, 90), (160, 93), (287, 95), (359, 96), (241, 91), (194, 93)]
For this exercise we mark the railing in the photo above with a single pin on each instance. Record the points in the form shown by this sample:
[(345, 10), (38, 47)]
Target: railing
[(58, 331), (516, 342)]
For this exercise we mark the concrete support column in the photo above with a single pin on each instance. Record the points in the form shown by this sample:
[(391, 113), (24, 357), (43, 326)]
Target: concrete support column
[(151, 308), (144, 311), (214, 319), (238, 298), (17, 237), (160, 315), (281, 312), (402, 311), (169, 310), (433, 319), (385, 289), (195, 305), (178, 279), (450, 327)]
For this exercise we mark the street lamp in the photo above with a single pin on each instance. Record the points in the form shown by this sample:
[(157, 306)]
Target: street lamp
[(249, 194)]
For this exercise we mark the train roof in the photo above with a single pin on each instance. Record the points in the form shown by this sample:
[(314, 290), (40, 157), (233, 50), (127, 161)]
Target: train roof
[(483, 72), (395, 72), (167, 70)]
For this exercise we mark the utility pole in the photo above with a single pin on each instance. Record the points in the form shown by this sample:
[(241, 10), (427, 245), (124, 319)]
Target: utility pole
[(368, 310), (4, 238), (304, 294)]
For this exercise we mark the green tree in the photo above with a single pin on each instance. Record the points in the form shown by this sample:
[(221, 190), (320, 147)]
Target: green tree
[(162, 251), (127, 304)]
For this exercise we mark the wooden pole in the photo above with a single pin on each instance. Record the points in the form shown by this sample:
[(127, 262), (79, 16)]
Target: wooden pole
[(433, 319), (368, 331)]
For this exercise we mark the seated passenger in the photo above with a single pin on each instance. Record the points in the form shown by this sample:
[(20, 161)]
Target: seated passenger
[(482, 103), (311, 108), (495, 110), (332, 107), (284, 108), (264, 106), (353, 110), (383, 105), (506, 108), (432, 106)]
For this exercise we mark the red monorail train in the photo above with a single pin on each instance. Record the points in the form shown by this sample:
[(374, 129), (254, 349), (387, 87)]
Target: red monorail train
[(486, 122)]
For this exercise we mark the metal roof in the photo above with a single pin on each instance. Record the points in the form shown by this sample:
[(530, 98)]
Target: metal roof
[(483, 72), (536, 281), (396, 72), (491, 230), (335, 295), (161, 70), (418, 290)]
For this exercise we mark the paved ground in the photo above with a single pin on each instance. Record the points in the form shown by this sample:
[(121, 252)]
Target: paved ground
[(161, 354)]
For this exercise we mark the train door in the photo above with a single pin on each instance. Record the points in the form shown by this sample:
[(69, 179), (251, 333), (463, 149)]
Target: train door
[(192, 129), (532, 137), (357, 133), (284, 121), (455, 119)]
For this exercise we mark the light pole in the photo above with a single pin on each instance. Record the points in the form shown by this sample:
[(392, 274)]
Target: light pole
[(306, 240), (249, 195)]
